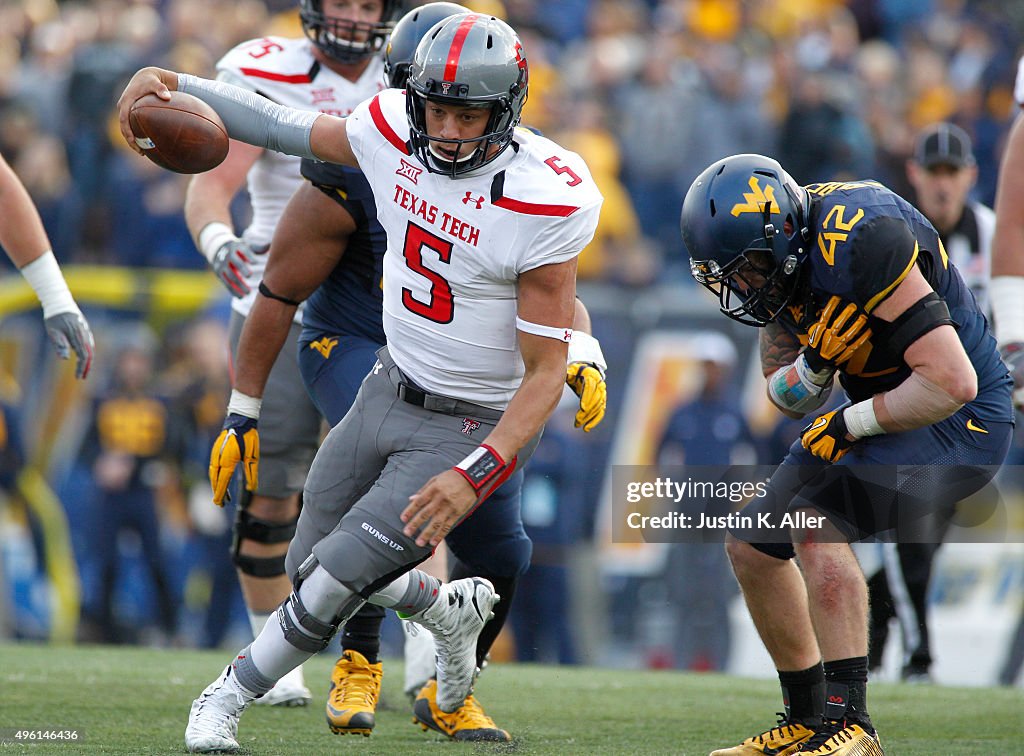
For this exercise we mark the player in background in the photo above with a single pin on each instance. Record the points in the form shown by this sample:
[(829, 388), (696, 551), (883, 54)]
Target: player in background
[(478, 303), (846, 280), (1007, 287), (328, 252), (1007, 298), (24, 239), (942, 171), (330, 70)]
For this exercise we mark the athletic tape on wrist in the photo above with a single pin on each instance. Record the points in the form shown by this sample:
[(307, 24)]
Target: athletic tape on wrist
[(212, 238), (585, 348), (480, 467), (797, 388), (243, 404), (44, 276), (861, 420)]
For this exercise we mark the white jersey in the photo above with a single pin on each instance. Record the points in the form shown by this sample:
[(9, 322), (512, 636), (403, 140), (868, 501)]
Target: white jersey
[(457, 247), (285, 71), (1018, 88)]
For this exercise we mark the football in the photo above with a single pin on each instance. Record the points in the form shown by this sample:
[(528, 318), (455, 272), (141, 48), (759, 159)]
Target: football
[(182, 134)]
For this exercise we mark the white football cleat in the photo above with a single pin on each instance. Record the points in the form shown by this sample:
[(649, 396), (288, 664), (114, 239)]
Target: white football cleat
[(213, 721), (290, 690), (456, 618), (420, 658)]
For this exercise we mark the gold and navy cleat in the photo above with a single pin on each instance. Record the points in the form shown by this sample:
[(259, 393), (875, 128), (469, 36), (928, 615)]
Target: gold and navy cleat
[(782, 740), (842, 738), (467, 723), (352, 699)]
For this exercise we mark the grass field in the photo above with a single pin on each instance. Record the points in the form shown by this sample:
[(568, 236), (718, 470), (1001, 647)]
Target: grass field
[(136, 701)]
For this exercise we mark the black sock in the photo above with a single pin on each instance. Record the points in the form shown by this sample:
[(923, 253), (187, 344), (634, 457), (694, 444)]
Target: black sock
[(504, 587), (846, 691), (803, 694), (362, 632)]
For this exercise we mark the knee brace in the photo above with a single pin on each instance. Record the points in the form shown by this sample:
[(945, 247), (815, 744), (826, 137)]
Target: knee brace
[(259, 531), (326, 597)]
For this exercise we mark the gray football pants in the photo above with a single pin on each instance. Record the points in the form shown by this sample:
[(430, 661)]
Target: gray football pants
[(383, 451)]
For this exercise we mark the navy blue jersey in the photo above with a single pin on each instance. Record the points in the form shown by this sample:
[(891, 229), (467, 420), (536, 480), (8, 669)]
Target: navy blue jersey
[(866, 240), (349, 302)]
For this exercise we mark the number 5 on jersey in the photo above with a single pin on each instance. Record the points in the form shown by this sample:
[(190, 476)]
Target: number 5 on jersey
[(441, 307)]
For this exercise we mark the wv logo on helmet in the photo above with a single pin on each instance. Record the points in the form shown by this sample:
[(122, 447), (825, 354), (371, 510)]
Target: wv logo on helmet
[(756, 199)]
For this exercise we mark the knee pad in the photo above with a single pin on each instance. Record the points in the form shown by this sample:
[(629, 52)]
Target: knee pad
[(259, 531)]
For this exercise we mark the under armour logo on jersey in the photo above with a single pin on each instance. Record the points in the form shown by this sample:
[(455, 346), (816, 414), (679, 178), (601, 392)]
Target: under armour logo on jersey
[(324, 346), (478, 201), (322, 95), (377, 366), (409, 171), (469, 425)]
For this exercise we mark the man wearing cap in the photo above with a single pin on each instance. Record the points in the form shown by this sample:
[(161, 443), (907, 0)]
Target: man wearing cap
[(943, 172)]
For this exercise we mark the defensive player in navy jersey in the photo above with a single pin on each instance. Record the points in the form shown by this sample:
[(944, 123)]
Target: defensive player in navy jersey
[(328, 251), (847, 280)]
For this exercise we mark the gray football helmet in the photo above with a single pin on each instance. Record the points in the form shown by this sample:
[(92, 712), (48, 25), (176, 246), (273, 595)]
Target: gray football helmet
[(470, 60)]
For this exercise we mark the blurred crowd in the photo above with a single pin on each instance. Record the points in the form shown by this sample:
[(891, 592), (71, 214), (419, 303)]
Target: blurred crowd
[(648, 91)]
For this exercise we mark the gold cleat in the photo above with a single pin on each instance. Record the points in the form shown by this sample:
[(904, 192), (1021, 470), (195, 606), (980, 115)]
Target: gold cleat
[(842, 739), (352, 699), (782, 740), (468, 722)]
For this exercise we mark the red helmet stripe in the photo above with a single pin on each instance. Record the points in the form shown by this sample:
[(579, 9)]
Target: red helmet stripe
[(451, 67)]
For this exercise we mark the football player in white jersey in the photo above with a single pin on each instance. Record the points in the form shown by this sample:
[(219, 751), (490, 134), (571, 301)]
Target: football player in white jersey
[(24, 239), (1006, 290), (484, 225), (328, 252), (330, 70)]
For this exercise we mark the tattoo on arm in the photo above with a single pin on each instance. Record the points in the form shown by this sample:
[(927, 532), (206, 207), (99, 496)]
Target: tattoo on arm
[(778, 348)]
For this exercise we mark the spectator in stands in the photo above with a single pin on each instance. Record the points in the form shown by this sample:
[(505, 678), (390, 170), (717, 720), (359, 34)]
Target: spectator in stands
[(130, 431)]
